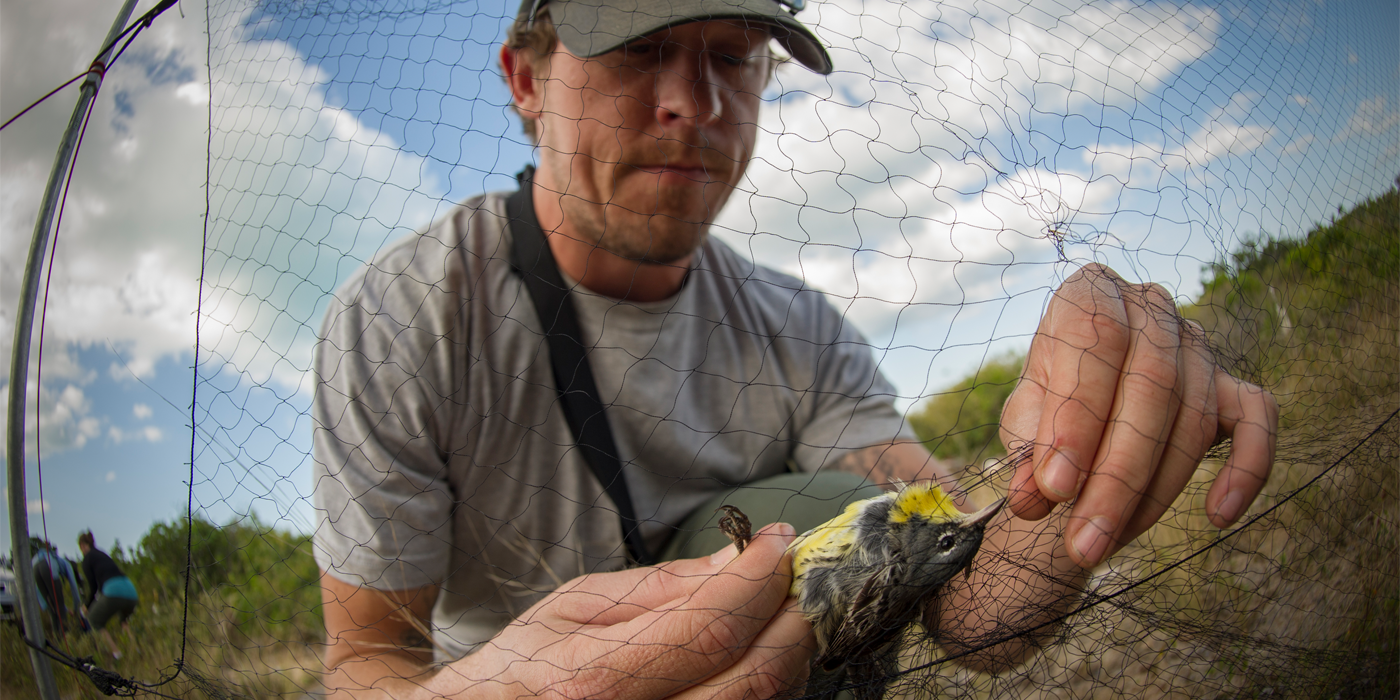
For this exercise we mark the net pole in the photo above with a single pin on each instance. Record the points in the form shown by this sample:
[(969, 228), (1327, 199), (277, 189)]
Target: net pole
[(19, 364)]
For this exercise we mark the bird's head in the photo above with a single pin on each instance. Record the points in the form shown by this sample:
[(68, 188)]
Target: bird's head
[(932, 537)]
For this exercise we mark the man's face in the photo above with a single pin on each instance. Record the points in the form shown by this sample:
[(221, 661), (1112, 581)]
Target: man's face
[(646, 143)]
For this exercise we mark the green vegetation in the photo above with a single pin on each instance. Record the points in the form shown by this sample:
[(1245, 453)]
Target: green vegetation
[(960, 424), (1316, 320), (254, 616), (1330, 290)]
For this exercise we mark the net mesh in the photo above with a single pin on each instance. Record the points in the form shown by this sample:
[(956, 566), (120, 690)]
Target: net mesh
[(962, 160)]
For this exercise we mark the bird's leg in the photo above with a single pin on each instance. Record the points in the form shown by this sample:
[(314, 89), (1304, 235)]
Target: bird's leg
[(737, 526)]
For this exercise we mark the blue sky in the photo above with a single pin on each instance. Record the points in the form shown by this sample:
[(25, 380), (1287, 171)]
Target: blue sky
[(956, 166)]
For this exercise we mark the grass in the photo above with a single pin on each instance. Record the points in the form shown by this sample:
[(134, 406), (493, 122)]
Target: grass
[(254, 624)]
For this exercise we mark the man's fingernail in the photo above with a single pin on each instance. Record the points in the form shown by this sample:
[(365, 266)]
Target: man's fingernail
[(1231, 507), (787, 532), (1060, 475), (1093, 539), (724, 556)]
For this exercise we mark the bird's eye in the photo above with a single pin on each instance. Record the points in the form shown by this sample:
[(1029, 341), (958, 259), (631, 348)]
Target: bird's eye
[(946, 542)]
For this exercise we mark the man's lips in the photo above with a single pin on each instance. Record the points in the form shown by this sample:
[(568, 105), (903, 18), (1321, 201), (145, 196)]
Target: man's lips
[(696, 173)]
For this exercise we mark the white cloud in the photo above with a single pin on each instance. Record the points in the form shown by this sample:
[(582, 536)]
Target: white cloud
[(1222, 133), (64, 420), (319, 191), (149, 433), (196, 94), (1219, 140), (903, 179), (37, 506), (128, 249), (1372, 117), (285, 161), (1298, 145), (141, 411), (111, 476)]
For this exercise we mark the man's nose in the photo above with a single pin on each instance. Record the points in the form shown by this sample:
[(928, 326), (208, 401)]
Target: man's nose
[(686, 90)]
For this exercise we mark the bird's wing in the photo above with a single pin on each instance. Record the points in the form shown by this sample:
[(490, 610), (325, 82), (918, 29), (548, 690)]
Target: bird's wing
[(870, 624)]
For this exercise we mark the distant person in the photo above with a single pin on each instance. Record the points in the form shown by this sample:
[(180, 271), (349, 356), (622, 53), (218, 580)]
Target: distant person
[(111, 592), (49, 571)]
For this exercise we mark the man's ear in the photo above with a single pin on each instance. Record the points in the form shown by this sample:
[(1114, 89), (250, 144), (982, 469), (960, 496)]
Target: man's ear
[(518, 67)]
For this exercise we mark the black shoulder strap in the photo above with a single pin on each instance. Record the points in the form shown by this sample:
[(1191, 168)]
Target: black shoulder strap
[(573, 376)]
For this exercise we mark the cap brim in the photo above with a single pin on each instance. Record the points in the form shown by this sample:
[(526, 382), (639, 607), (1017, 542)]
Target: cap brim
[(589, 28)]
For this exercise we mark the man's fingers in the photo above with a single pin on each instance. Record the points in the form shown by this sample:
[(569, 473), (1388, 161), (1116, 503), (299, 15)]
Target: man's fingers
[(733, 601), (1024, 496), (1019, 422), (710, 627), (1083, 342), (1249, 414), (1145, 405), (623, 595), (654, 631), (1122, 399), (615, 598), (1195, 427), (776, 662)]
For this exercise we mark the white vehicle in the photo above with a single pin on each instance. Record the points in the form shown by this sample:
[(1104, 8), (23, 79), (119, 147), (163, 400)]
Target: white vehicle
[(8, 601)]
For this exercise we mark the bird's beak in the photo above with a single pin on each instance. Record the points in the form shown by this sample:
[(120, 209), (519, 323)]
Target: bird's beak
[(982, 517)]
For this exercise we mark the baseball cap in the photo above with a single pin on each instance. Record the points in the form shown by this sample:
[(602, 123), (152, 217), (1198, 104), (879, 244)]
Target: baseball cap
[(589, 28)]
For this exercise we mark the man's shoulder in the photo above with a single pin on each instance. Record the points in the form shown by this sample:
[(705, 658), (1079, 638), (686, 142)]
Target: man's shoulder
[(471, 231), (782, 303), (470, 224), (754, 278)]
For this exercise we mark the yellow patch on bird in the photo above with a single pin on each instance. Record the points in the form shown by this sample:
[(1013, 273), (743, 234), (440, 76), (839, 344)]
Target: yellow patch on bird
[(925, 500), (829, 540)]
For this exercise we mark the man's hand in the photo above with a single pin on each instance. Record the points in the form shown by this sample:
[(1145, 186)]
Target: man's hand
[(698, 628), (717, 627), (1122, 399)]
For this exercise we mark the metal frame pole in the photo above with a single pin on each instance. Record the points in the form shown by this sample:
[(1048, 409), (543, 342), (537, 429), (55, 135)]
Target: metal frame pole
[(19, 367)]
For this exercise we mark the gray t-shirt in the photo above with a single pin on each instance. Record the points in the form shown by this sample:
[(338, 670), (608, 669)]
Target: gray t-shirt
[(442, 455)]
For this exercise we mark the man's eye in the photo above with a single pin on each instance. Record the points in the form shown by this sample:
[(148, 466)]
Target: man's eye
[(640, 48), (731, 56)]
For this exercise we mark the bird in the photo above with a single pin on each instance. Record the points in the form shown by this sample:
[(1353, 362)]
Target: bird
[(864, 576)]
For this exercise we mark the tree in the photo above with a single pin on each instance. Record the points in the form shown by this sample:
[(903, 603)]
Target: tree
[(167, 548), (961, 423)]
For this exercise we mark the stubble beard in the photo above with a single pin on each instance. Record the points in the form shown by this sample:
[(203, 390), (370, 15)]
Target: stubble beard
[(658, 237)]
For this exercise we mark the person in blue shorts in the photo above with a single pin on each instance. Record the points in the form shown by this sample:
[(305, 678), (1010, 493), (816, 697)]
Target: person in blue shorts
[(111, 593)]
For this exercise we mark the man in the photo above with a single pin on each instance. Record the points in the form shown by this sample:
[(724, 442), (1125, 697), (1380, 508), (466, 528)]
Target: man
[(458, 520), (50, 570)]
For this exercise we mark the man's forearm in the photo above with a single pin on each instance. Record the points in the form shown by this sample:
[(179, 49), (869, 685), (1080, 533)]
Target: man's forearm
[(395, 676), (385, 674), (377, 647), (903, 461), (1021, 585)]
